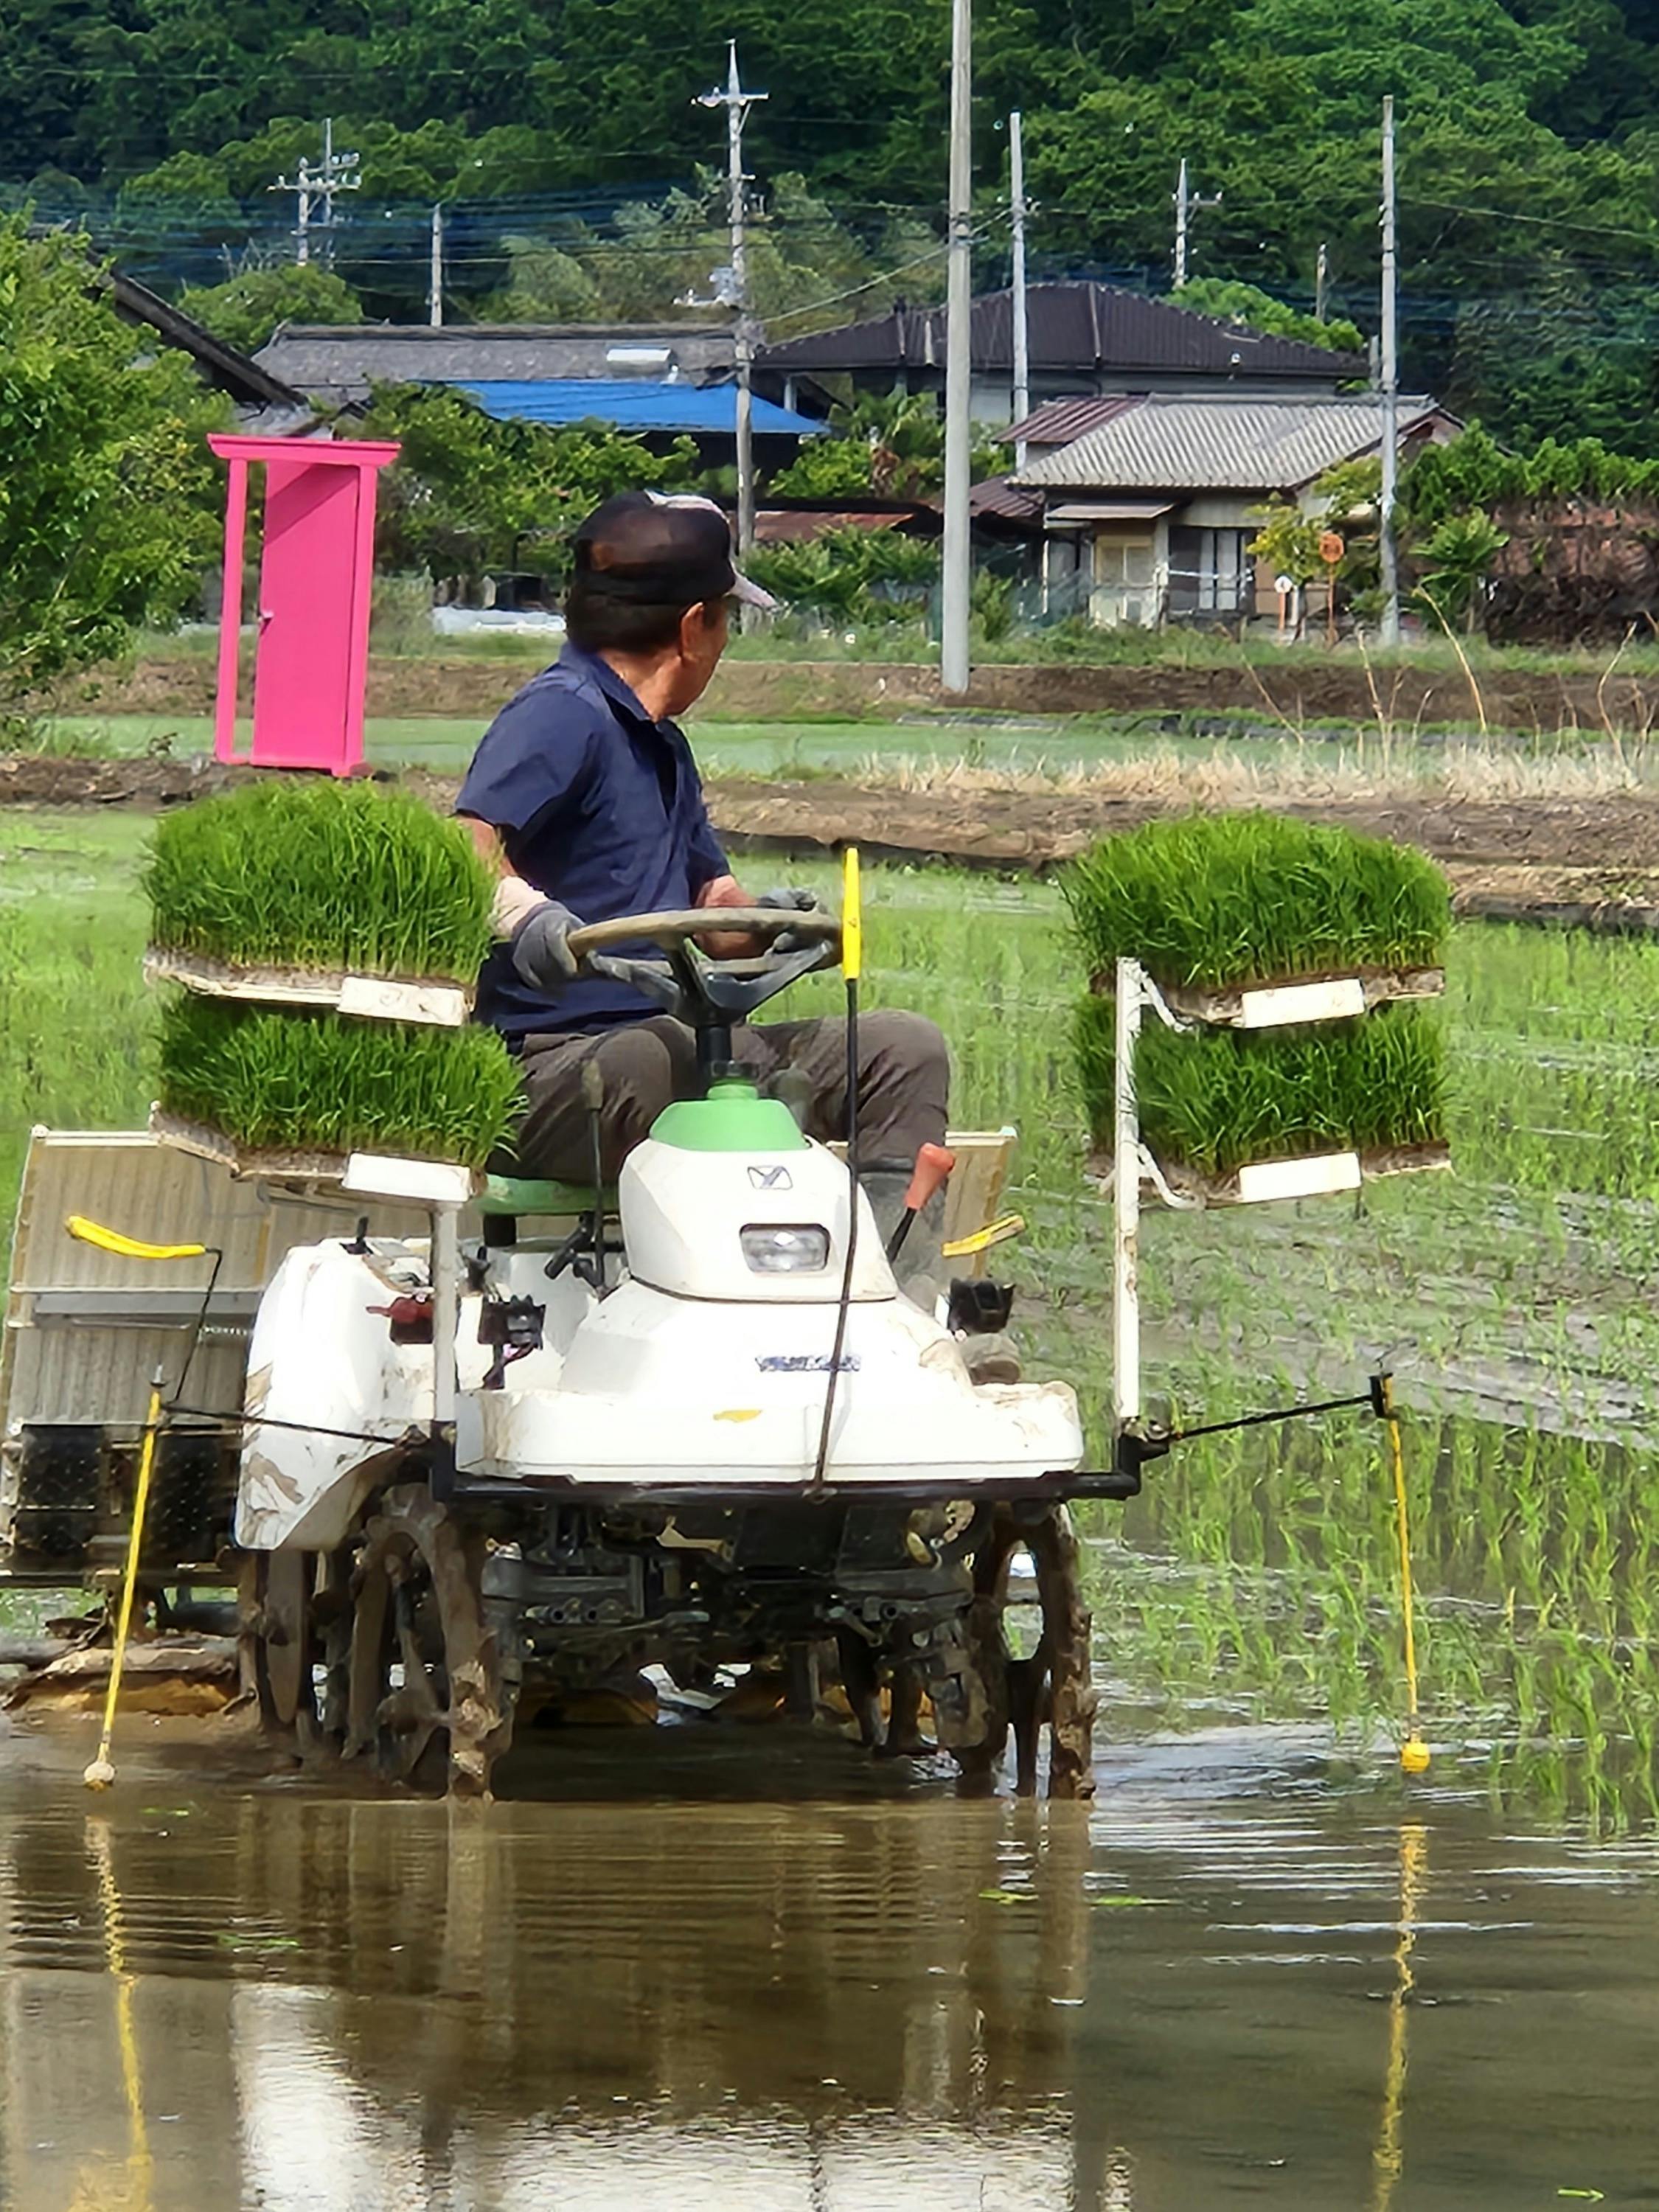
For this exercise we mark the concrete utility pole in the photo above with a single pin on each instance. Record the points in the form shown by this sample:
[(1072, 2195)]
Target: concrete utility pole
[(1321, 274), (734, 290), (1187, 204), (1021, 396), (435, 289), (1389, 394), (337, 173), (957, 576)]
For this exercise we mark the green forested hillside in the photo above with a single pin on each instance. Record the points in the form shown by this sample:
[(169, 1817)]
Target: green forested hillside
[(1530, 161)]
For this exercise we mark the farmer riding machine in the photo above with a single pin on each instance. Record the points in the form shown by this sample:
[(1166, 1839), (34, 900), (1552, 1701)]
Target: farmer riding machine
[(475, 1449)]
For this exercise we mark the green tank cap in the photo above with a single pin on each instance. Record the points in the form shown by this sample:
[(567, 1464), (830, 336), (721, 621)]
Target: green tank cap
[(733, 1118)]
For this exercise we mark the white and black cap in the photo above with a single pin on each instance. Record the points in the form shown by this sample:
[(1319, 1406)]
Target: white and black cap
[(661, 549)]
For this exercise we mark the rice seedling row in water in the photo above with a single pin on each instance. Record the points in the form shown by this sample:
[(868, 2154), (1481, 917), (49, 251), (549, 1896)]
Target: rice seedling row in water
[(281, 1081), (1213, 1099), (310, 872), (1216, 900)]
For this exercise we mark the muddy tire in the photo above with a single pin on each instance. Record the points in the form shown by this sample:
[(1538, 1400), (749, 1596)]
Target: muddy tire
[(424, 1693), (999, 1692)]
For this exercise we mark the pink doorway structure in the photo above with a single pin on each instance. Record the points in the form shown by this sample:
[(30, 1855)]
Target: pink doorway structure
[(316, 566)]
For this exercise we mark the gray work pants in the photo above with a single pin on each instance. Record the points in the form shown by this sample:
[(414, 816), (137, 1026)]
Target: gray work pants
[(903, 1080)]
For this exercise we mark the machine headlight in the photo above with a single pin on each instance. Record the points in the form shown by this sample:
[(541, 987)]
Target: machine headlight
[(775, 1250)]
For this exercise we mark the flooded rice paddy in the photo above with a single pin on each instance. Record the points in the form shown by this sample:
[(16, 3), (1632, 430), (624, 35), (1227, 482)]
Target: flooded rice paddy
[(676, 1975), (680, 1968)]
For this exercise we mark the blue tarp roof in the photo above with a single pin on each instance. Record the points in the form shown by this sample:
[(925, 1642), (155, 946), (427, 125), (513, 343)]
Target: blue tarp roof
[(631, 405)]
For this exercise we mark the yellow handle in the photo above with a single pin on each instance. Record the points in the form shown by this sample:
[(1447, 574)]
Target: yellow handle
[(128, 1247), (851, 916), (994, 1232)]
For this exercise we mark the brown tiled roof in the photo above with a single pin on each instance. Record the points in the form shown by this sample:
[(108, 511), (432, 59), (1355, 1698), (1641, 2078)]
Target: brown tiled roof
[(1057, 422), (1006, 501), (1075, 326)]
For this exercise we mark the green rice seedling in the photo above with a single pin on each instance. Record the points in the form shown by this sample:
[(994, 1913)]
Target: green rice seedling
[(297, 871), (320, 1082), (1214, 1099), (1223, 899)]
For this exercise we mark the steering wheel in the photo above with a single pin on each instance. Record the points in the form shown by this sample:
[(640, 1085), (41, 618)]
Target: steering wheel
[(680, 925), (709, 994)]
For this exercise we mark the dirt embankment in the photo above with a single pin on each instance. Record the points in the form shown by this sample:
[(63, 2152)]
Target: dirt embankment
[(1590, 862), (1297, 692)]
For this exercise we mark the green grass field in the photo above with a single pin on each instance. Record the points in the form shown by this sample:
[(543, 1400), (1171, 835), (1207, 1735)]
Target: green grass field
[(1035, 748), (1255, 1576)]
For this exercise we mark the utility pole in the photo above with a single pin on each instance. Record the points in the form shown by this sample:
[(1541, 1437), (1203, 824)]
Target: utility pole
[(1321, 273), (1187, 203), (434, 289), (1022, 395), (957, 577), (1389, 394), (337, 173), (734, 289)]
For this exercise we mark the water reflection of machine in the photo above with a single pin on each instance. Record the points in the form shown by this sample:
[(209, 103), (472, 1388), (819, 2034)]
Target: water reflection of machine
[(410, 2015)]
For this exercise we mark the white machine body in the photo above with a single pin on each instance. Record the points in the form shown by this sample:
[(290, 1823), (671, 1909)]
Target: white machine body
[(707, 1364)]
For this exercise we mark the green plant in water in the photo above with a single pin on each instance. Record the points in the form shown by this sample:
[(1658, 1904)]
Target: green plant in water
[(1222, 899), (278, 1081), (307, 872)]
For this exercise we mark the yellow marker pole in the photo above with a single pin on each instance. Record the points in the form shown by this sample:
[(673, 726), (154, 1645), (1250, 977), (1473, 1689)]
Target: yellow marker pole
[(851, 916), (102, 1772), (1413, 1753)]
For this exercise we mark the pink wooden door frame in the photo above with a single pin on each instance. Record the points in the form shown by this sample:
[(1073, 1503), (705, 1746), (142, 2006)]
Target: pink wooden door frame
[(337, 746)]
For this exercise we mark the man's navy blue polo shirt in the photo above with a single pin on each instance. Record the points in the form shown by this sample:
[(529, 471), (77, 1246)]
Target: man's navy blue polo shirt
[(598, 806)]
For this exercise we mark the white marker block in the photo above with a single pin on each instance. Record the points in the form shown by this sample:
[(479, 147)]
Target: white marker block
[(1331, 1002), (424, 1182), (1270, 1179)]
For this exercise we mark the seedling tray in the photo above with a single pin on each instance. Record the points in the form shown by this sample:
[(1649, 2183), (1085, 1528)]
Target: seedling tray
[(370, 998), (1297, 998), (204, 1142), (1313, 1175)]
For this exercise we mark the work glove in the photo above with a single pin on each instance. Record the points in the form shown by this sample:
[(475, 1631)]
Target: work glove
[(789, 899), (541, 947)]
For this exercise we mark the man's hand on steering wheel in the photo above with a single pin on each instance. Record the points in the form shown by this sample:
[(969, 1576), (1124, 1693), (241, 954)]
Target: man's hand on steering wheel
[(790, 899)]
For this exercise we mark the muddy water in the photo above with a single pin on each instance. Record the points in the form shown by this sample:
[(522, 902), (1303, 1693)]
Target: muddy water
[(695, 1971)]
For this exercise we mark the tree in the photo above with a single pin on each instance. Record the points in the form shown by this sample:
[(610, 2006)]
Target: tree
[(889, 447), (250, 307), (544, 285), (1259, 311), (468, 493), (1454, 562), (110, 503)]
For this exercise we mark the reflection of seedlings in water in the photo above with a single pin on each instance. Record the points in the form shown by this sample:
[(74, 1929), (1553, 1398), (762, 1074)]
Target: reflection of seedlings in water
[(256, 1940)]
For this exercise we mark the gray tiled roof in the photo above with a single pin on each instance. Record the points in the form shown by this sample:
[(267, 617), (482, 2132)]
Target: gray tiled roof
[(344, 360), (1179, 444)]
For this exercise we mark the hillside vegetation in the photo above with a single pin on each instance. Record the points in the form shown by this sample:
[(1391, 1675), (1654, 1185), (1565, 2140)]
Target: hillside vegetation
[(1529, 165)]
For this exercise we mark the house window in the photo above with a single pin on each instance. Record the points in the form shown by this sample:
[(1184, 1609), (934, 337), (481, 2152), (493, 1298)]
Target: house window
[(1211, 573)]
